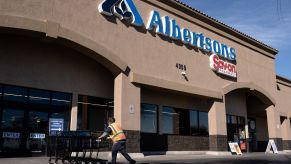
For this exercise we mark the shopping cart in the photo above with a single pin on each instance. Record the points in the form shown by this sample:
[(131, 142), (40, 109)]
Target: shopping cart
[(59, 148), (76, 147)]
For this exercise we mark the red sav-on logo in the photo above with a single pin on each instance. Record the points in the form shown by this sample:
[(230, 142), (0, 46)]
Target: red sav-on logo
[(223, 67)]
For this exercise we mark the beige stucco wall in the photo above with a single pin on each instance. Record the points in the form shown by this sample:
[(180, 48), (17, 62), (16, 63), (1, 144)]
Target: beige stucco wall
[(126, 103), (236, 104), (175, 100), (262, 129), (144, 53), (283, 107), (282, 97), (33, 63)]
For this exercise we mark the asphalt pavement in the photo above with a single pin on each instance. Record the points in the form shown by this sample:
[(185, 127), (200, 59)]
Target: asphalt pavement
[(252, 158)]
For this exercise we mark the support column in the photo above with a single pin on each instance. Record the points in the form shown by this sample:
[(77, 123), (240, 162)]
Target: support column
[(273, 119), (74, 112), (127, 110), (217, 127)]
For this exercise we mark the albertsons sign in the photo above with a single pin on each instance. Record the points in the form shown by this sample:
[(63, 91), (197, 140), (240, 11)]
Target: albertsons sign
[(164, 25)]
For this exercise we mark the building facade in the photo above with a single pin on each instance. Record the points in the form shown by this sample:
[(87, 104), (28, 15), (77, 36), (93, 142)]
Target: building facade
[(173, 77)]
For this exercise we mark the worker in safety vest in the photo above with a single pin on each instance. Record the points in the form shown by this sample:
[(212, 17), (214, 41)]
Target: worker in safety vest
[(119, 140)]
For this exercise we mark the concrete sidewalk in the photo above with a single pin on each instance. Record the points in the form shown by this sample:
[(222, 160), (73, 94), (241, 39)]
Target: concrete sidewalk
[(246, 158)]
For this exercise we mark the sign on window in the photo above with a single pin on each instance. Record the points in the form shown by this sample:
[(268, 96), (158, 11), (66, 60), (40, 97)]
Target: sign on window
[(37, 135), (56, 125), (11, 135)]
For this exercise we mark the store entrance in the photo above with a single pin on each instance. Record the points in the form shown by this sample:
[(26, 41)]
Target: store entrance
[(24, 116), (24, 132), (257, 124), (252, 135), (236, 131), (38, 126), (248, 124)]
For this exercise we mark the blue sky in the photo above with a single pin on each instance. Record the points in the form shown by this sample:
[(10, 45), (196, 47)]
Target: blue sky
[(268, 21)]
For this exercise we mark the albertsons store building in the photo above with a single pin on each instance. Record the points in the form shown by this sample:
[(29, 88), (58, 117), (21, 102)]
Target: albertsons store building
[(173, 77)]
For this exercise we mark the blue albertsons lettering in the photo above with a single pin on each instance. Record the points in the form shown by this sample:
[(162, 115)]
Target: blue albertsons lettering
[(125, 9), (170, 28), (175, 30), (156, 23), (166, 27)]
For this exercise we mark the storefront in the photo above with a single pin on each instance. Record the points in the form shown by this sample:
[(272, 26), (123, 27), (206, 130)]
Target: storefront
[(173, 77), (25, 113)]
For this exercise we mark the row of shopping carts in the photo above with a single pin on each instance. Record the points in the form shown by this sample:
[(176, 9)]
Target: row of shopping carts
[(76, 147)]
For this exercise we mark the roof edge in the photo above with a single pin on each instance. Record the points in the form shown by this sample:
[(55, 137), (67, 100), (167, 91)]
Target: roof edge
[(283, 80), (217, 24)]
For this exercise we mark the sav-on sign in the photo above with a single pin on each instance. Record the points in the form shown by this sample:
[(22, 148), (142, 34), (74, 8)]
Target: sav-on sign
[(222, 67)]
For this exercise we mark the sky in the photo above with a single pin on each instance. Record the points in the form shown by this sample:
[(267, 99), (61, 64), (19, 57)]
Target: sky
[(268, 21)]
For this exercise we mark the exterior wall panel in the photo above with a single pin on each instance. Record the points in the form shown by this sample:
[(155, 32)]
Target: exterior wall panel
[(28, 62), (134, 50), (150, 55)]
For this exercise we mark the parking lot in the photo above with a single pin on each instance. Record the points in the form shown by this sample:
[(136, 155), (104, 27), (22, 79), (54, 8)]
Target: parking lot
[(252, 158)]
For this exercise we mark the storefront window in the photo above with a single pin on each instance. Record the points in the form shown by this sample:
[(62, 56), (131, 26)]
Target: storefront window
[(1, 92), (170, 121), (194, 123), (38, 120), (203, 123), (11, 140), (228, 119), (233, 120), (39, 96), (149, 118), (241, 121), (25, 114), (93, 113), (12, 119), (199, 123), (16, 94), (61, 99), (38, 126), (184, 122)]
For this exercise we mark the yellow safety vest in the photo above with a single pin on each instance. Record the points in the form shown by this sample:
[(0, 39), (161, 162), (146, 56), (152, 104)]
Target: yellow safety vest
[(117, 133)]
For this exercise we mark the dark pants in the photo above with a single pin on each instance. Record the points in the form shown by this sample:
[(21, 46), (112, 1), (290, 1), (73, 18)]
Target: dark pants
[(120, 146)]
